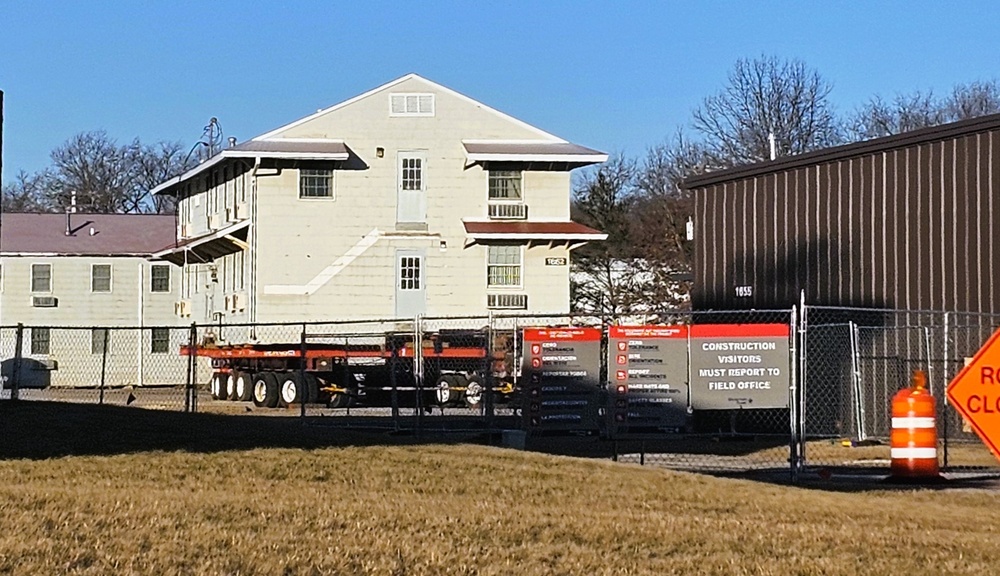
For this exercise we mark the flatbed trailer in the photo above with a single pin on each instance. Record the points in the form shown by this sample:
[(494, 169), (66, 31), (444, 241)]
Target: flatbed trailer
[(451, 368)]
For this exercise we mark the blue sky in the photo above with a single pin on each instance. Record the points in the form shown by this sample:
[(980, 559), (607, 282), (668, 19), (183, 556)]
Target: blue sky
[(618, 76)]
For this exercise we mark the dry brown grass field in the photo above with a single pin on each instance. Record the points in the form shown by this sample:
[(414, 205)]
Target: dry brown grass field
[(95, 491)]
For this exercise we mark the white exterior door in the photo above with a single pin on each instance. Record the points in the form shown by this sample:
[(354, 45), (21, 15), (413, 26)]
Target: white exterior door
[(411, 292), (411, 188)]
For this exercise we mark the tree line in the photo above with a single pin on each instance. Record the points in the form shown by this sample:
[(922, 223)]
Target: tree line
[(103, 175), (768, 105)]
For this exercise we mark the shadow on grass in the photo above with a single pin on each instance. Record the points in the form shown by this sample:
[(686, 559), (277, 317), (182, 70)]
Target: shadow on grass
[(39, 429), (44, 429)]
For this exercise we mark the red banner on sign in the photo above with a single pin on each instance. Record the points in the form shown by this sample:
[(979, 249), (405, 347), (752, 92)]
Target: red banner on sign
[(562, 334), (648, 332), (739, 331)]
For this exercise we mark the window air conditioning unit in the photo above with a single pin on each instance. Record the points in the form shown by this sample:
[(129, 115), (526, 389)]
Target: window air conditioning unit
[(239, 302), (44, 301), (182, 308), (508, 211), (230, 214), (242, 211), (507, 301), (215, 222)]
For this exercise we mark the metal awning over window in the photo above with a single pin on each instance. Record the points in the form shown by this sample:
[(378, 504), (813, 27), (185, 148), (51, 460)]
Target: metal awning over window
[(571, 234), (208, 247), (541, 151)]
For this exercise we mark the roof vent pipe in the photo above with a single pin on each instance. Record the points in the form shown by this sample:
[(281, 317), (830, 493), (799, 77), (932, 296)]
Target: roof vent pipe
[(774, 149), (232, 141), (69, 211)]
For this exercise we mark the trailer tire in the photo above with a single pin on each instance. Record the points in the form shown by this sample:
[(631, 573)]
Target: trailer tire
[(243, 385), (230, 388), (474, 392), (446, 391), (220, 381), (311, 389), (289, 388), (265, 389)]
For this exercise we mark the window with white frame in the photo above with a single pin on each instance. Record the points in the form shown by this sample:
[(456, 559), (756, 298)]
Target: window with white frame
[(505, 185), (159, 278), (159, 341), (100, 278), (98, 340), (409, 273), (39, 340), (315, 183), (41, 278), (401, 104), (503, 268), (412, 173)]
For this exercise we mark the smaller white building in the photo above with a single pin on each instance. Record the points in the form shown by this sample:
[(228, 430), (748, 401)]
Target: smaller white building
[(70, 280)]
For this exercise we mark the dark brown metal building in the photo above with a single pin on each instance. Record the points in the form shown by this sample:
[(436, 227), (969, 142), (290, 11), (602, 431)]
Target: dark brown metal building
[(904, 222)]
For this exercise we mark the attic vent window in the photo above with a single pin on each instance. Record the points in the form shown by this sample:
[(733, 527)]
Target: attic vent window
[(411, 104)]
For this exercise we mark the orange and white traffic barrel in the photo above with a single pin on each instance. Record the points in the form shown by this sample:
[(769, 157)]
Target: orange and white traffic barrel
[(913, 443)]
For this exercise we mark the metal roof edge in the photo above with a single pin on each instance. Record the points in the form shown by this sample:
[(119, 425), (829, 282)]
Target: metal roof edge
[(885, 143)]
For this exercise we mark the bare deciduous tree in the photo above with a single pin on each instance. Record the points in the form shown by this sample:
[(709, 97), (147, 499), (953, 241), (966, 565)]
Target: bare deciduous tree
[(973, 100), (878, 117), (662, 210), (765, 96), (104, 176), (28, 193), (905, 113), (605, 282)]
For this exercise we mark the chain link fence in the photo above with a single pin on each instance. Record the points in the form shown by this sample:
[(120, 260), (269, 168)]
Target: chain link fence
[(855, 360), (138, 367), (723, 391)]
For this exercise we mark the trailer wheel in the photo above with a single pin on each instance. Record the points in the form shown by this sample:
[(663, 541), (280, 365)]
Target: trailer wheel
[(265, 389), (244, 385), (474, 392), (289, 389), (311, 389), (230, 388), (220, 381), (343, 400), (447, 389)]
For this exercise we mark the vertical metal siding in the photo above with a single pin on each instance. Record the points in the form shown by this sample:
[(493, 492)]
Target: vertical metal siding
[(910, 227)]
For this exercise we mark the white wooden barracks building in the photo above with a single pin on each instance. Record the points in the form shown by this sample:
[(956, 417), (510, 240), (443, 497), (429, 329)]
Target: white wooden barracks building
[(408, 199)]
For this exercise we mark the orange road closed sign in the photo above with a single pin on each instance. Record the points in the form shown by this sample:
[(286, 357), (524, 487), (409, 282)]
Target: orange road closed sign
[(975, 393)]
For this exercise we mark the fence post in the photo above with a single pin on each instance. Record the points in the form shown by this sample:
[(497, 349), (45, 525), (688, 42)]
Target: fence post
[(302, 375), (190, 395), (393, 356), (802, 379), (488, 380), (15, 377), (418, 371), (859, 402), (792, 398), (104, 364), (943, 405)]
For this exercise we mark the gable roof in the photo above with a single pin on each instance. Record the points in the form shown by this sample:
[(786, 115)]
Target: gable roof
[(92, 234), (270, 145), (543, 135)]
